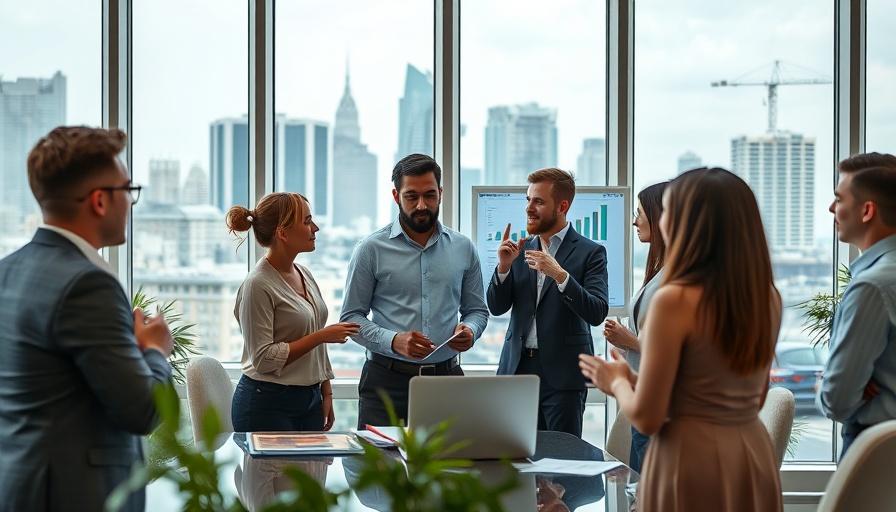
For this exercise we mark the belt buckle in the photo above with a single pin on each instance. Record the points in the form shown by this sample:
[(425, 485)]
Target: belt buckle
[(422, 367)]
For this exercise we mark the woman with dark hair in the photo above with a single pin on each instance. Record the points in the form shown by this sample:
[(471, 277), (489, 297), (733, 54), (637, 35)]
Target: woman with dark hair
[(707, 347), (647, 226), (286, 369)]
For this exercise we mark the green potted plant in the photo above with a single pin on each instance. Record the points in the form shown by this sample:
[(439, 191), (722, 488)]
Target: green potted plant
[(184, 337), (818, 311)]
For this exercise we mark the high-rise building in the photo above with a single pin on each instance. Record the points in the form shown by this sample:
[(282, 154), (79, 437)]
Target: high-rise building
[(780, 168), (29, 109), (519, 139), (592, 169), (229, 162), (196, 187), (164, 181), (689, 160), (415, 114), (354, 168), (302, 161)]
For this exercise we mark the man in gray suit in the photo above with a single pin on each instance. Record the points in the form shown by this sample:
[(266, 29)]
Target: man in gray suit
[(77, 366)]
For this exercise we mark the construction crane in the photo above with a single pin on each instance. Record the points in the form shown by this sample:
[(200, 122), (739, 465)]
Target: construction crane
[(772, 85)]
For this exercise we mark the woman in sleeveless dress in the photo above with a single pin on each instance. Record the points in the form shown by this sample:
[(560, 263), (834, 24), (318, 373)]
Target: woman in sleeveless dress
[(706, 349)]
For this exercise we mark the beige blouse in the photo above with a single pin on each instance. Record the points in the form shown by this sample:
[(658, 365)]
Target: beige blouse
[(271, 314)]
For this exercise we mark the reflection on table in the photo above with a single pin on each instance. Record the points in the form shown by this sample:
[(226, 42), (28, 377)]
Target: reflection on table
[(257, 480)]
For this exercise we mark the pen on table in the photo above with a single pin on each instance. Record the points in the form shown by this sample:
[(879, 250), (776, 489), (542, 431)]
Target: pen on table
[(377, 432)]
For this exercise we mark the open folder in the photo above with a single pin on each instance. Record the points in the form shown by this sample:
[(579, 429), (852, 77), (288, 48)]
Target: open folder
[(303, 443)]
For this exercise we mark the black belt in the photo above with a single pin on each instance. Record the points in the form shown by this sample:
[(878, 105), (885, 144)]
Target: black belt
[(442, 368), (530, 352)]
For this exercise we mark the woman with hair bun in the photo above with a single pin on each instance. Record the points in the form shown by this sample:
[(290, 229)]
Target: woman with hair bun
[(706, 349), (286, 370)]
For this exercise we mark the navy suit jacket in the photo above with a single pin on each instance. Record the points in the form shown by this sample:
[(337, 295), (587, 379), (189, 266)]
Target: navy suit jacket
[(75, 388), (564, 319)]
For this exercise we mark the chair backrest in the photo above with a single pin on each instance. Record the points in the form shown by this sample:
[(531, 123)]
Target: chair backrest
[(864, 480), (208, 386), (777, 415), (619, 441)]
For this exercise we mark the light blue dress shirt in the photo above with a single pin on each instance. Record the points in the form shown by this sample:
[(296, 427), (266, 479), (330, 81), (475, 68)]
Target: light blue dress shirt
[(413, 288), (863, 341)]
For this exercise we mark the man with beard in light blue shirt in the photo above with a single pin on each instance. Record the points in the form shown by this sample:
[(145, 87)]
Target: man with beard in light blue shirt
[(859, 385), (422, 283)]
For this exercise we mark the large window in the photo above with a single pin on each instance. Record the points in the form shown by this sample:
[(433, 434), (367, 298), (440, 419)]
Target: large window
[(353, 94), (190, 151), (532, 96), (768, 118), (881, 65), (49, 54)]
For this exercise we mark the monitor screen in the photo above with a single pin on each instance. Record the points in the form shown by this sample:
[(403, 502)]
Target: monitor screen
[(599, 213)]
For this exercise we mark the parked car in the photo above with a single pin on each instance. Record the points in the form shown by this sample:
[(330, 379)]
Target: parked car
[(797, 367)]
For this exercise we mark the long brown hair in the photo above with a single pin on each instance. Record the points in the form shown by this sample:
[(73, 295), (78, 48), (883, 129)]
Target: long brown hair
[(651, 199), (716, 241)]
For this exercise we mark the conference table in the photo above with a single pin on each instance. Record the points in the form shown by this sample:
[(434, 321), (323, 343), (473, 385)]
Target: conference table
[(257, 480)]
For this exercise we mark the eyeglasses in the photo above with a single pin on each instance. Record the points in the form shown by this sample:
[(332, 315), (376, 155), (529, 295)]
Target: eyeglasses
[(133, 192)]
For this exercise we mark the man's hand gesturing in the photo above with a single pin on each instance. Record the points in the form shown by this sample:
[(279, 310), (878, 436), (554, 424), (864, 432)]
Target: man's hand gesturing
[(508, 251)]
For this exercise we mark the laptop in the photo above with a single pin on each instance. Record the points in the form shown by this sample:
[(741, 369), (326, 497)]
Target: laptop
[(498, 414)]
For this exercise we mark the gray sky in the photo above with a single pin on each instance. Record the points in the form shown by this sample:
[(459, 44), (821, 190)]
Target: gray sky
[(191, 68)]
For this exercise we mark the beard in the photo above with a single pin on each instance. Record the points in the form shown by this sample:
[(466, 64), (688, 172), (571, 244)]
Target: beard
[(420, 221), (541, 225)]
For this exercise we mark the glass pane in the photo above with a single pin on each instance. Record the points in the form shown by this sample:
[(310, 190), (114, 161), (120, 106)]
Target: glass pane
[(880, 114), (190, 146), (50, 51), (346, 111), (769, 119), (530, 99)]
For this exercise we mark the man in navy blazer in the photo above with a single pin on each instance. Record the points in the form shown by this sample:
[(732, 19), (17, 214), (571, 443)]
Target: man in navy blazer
[(555, 292), (77, 366)]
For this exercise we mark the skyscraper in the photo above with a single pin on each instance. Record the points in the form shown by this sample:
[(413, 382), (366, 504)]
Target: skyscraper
[(164, 181), (29, 109), (519, 139), (415, 114), (196, 187), (689, 160), (354, 169), (780, 168), (592, 169), (302, 161), (229, 162)]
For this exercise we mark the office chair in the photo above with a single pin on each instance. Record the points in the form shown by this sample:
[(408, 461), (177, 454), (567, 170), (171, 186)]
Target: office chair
[(619, 440), (864, 479), (777, 415), (208, 386)]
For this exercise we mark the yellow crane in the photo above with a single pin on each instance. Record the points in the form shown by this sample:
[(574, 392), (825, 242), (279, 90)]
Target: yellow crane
[(772, 85)]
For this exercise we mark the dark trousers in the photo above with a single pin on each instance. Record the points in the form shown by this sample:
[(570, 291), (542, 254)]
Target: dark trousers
[(639, 449), (560, 410), (374, 377), (849, 432), (262, 406)]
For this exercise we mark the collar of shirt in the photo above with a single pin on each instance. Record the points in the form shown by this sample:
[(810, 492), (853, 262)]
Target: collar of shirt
[(556, 240), (398, 230), (89, 251), (873, 253)]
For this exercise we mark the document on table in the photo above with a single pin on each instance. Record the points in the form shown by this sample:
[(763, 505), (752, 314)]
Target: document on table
[(567, 467)]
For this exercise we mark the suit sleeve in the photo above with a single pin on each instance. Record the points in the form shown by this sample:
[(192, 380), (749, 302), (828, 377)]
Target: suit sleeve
[(499, 295), (94, 324), (589, 299)]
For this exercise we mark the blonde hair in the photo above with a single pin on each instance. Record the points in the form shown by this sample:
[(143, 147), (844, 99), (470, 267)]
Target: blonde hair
[(716, 241), (273, 211)]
